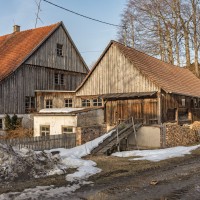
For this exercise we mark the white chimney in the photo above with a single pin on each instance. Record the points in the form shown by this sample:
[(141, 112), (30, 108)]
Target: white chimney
[(16, 28)]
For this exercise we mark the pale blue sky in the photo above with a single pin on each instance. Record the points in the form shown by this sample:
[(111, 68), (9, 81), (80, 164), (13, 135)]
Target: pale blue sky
[(87, 35)]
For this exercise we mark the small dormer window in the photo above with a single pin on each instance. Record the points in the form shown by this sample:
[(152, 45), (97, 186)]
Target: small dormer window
[(59, 50)]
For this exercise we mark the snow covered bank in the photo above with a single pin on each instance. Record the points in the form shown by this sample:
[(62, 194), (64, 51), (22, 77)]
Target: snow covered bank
[(70, 158), (25, 164), (157, 155)]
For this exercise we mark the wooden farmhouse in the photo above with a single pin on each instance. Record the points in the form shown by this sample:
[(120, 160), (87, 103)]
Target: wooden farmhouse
[(44, 58), (132, 83), (127, 83)]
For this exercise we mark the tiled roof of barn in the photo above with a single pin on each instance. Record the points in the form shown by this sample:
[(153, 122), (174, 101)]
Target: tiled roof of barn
[(170, 78), (16, 47)]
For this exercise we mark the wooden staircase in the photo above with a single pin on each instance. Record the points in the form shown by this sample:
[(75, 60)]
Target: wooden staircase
[(120, 132)]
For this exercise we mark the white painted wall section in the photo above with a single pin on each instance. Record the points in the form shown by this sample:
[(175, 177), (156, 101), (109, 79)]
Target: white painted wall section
[(147, 136), (55, 122)]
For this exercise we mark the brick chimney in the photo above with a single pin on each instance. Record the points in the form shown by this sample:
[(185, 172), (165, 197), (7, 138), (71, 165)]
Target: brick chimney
[(16, 28)]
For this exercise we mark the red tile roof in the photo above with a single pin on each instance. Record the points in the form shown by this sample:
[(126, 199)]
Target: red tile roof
[(16, 47), (170, 78)]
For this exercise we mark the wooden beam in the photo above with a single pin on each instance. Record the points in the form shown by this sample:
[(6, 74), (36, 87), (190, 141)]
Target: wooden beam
[(159, 107)]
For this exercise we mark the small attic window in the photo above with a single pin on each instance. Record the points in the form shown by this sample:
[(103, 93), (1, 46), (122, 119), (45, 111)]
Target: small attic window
[(183, 102), (59, 50)]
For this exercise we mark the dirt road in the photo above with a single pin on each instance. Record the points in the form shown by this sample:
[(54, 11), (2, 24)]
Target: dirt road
[(177, 178)]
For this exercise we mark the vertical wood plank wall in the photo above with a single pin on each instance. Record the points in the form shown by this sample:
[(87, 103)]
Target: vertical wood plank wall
[(115, 74), (46, 55), (38, 73), (28, 79), (174, 101), (143, 110)]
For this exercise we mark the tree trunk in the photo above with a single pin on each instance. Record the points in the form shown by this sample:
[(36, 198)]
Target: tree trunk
[(194, 20), (169, 45), (176, 30), (186, 34), (161, 42)]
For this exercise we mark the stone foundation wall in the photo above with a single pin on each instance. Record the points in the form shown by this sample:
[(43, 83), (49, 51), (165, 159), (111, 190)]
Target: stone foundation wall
[(86, 134)]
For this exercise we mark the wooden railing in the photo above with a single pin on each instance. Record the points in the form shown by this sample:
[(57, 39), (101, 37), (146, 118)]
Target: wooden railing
[(43, 142), (121, 131)]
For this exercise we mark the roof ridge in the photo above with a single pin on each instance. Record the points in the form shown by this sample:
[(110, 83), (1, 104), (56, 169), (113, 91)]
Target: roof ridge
[(14, 33)]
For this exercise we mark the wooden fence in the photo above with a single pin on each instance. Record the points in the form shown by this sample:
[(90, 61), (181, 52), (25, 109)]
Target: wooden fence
[(44, 142)]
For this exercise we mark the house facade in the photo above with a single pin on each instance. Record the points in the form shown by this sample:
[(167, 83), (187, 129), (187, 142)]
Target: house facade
[(129, 83), (44, 58), (85, 123), (135, 84)]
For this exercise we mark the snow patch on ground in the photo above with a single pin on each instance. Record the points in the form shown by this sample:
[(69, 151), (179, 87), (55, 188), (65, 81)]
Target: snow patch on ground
[(158, 154), (70, 158)]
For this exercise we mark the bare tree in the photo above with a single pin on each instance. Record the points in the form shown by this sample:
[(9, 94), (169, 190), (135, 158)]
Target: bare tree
[(164, 28), (195, 37)]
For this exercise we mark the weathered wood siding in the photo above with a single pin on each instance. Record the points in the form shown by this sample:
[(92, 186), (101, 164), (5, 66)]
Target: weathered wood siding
[(115, 74), (172, 104), (142, 110), (24, 81), (58, 99), (38, 73), (46, 55)]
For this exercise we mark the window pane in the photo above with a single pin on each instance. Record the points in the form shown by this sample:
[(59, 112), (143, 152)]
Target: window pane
[(62, 79), (100, 102), (59, 49), (49, 103), (44, 130), (88, 103), (68, 103), (83, 103), (67, 130), (29, 104), (56, 78), (1, 123)]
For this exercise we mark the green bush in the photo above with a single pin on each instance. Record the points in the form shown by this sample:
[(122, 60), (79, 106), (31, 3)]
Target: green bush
[(11, 123), (8, 123)]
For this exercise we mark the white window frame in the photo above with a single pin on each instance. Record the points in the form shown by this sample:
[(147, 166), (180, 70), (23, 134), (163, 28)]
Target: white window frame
[(69, 103), (67, 130), (85, 103), (97, 102), (45, 130), (49, 103)]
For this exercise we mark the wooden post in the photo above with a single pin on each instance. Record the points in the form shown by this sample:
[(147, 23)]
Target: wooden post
[(143, 114), (118, 145), (135, 133), (159, 107), (163, 129), (176, 115), (189, 114)]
